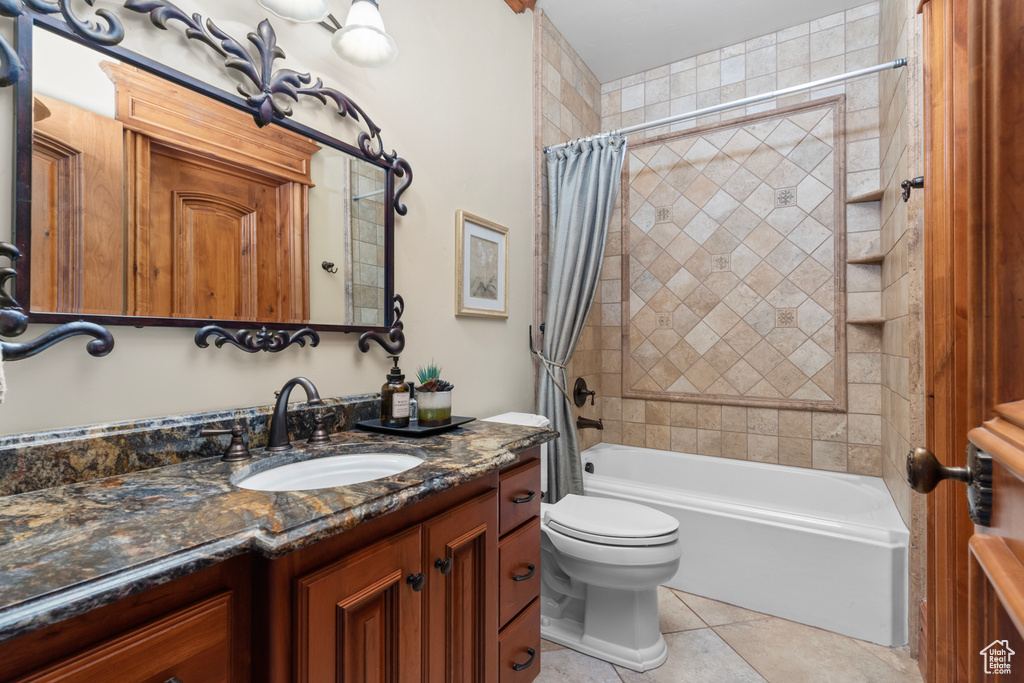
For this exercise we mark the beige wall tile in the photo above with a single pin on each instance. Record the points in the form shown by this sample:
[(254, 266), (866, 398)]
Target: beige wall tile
[(794, 452), (761, 448), (734, 445), (709, 442)]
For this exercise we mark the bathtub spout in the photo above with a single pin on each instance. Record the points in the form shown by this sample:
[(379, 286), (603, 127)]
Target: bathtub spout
[(586, 423)]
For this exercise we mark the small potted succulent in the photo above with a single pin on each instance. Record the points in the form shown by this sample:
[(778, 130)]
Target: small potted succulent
[(434, 397)]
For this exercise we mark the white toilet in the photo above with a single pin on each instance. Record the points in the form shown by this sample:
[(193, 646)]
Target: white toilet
[(602, 561)]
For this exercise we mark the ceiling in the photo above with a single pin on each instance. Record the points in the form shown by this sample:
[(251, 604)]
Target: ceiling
[(617, 38)]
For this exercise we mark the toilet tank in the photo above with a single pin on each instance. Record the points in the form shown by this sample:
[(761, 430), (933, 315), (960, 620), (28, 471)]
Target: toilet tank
[(529, 420)]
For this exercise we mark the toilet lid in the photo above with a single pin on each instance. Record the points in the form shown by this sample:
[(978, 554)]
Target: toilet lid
[(610, 522)]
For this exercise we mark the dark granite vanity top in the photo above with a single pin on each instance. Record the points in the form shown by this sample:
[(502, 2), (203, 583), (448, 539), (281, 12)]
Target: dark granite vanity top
[(69, 549)]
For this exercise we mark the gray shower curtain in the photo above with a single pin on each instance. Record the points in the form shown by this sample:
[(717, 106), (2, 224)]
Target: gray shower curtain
[(583, 183)]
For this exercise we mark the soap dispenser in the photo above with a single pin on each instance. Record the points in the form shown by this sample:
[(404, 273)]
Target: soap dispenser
[(394, 399)]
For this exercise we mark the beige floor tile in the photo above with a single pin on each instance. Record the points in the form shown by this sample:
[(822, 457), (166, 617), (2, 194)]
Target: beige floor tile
[(715, 613), (569, 666), (697, 656), (786, 652), (548, 646), (897, 658), (674, 614)]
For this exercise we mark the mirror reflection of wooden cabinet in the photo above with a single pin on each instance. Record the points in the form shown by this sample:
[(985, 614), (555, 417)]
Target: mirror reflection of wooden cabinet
[(77, 159), (217, 214)]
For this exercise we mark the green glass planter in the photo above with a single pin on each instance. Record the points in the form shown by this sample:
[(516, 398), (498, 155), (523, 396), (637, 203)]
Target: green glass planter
[(435, 408)]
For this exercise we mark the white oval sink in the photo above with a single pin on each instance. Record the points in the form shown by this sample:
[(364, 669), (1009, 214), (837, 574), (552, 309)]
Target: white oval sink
[(336, 470)]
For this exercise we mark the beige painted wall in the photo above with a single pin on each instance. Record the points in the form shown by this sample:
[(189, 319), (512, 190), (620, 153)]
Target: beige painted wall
[(458, 105)]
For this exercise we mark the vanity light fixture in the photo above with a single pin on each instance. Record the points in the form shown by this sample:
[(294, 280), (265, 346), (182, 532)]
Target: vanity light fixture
[(363, 41), (302, 11)]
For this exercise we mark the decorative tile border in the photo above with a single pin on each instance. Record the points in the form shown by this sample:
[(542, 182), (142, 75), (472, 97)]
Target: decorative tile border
[(693, 266)]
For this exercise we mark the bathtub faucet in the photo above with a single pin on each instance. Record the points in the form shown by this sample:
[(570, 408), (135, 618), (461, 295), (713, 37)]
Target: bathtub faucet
[(586, 423)]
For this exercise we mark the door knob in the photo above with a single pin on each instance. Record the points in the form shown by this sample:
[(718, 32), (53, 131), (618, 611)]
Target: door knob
[(924, 472), (444, 565)]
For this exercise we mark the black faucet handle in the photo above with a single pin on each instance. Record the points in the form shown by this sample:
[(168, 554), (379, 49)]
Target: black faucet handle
[(237, 450), (320, 433)]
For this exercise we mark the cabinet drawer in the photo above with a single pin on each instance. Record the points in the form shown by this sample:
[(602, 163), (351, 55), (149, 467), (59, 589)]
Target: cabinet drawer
[(191, 644), (519, 496), (519, 646), (519, 569)]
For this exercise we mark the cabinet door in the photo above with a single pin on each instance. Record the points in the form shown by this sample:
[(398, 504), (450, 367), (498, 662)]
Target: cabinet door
[(461, 558), (191, 644), (360, 618)]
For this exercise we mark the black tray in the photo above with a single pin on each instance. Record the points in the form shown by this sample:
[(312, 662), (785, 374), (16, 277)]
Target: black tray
[(414, 431)]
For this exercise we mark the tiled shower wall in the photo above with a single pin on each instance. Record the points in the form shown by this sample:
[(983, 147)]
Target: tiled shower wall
[(903, 390), (825, 440), (367, 244), (570, 99)]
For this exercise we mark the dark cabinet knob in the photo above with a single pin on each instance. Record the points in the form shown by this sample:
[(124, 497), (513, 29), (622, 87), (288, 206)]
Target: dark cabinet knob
[(530, 495), (444, 565), (173, 679), (528, 575), (533, 655), (924, 472), (417, 581)]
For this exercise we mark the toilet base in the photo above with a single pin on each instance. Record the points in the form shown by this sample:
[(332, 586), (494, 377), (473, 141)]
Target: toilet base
[(562, 621)]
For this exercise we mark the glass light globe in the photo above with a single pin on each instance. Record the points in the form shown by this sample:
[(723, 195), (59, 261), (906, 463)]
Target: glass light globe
[(302, 11), (363, 41)]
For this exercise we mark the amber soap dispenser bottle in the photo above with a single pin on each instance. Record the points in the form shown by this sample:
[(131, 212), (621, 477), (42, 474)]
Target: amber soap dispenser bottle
[(394, 399)]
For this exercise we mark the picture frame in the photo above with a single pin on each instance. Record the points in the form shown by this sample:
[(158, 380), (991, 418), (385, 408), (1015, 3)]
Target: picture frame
[(481, 267)]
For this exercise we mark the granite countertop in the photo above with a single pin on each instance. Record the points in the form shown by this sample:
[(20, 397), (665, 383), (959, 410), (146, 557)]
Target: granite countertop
[(69, 549)]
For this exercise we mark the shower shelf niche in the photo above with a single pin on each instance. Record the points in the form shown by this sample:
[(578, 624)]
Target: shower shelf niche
[(874, 196), (867, 260)]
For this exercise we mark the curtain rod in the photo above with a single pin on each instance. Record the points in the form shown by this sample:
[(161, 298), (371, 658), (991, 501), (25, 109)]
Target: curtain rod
[(895, 64)]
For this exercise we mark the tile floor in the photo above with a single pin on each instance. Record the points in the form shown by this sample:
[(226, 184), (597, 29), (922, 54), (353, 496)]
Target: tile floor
[(712, 642)]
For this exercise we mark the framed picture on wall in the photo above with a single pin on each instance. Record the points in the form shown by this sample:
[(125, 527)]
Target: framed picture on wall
[(481, 270)]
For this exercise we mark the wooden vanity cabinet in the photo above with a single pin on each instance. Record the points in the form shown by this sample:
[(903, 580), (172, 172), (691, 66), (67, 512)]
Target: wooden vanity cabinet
[(415, 596)]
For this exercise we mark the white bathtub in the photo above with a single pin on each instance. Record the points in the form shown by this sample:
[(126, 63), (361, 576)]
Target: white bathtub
[(821, 548)]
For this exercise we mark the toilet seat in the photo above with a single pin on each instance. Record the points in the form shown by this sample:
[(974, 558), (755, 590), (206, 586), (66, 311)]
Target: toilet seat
[(610, 522)]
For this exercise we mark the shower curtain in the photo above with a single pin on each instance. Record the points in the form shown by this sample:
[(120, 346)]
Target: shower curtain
[(583, 183)]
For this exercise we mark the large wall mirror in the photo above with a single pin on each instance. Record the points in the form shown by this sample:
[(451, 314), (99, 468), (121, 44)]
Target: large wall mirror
[(157, 200)]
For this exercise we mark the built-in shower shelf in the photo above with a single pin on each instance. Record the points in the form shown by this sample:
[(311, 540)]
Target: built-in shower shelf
[(866, 321), (875, 196), (867, 260)]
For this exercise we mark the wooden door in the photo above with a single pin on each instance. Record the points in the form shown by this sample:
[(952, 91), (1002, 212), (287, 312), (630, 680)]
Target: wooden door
[(974, 246), (78, 241), (360, 619), (461, 620), (210, 244)]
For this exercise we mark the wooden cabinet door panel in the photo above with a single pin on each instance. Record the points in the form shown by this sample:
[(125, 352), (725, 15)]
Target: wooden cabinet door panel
[(519, 647), (462, 605), (519, 493), (191, 644), (359, 621), (519, 569)]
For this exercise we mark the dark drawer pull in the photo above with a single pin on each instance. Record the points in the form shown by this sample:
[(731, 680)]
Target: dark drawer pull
[(444, 565), (530, 495), (173, 679), (533, 654), (417, 581), (524, 577)]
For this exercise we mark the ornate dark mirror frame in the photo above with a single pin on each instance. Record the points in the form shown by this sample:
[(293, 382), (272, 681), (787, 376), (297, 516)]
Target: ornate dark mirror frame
[(263, 95)]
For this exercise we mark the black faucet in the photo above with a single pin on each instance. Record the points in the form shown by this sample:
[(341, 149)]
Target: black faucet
[(279, 440)]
